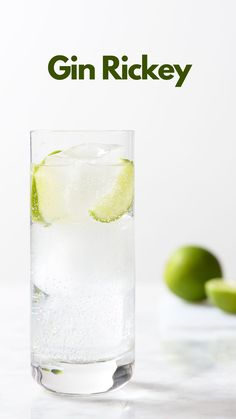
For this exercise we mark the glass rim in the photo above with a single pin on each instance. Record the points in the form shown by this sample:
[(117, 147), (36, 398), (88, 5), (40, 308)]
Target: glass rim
[(115, 131)]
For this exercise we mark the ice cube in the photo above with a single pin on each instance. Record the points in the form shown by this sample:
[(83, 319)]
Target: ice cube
[(95, 153), (59, 159), (87, 153)]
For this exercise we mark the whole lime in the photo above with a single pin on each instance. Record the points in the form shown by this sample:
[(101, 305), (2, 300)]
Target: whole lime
[(187, 271)]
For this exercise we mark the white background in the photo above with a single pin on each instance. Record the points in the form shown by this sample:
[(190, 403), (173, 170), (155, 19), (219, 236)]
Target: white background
[(185, 137)]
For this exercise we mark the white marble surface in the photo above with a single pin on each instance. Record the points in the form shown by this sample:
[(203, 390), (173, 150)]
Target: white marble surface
[(178, 377)]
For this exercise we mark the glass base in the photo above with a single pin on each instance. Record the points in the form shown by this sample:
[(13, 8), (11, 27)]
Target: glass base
[(83, 379)]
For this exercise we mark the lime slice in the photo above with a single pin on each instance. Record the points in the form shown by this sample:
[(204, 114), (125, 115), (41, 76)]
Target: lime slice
[(36, 185), (222, 294), (35, 212), (116, 203)]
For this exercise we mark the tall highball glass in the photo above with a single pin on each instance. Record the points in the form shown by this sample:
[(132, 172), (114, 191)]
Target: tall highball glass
[(82, 260)]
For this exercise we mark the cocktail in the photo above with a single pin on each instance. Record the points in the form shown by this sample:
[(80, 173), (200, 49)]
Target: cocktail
[(82, 260)]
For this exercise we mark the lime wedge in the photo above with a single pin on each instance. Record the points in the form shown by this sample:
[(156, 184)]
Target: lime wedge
[(35, 213), (222, 294), (116, 203), (36, 184)]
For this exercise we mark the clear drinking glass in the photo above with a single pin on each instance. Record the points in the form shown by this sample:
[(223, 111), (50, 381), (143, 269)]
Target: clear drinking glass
[(82, 260)]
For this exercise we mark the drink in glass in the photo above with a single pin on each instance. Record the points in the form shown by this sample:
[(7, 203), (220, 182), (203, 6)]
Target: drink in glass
[(82, 260)]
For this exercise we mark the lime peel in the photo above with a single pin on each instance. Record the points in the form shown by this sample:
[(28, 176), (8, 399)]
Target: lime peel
[(56, 372), (35, 211), (118, 202)]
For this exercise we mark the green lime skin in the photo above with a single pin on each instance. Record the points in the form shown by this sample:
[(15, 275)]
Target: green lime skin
[(222, 294), (35, 212), (187, 271)]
